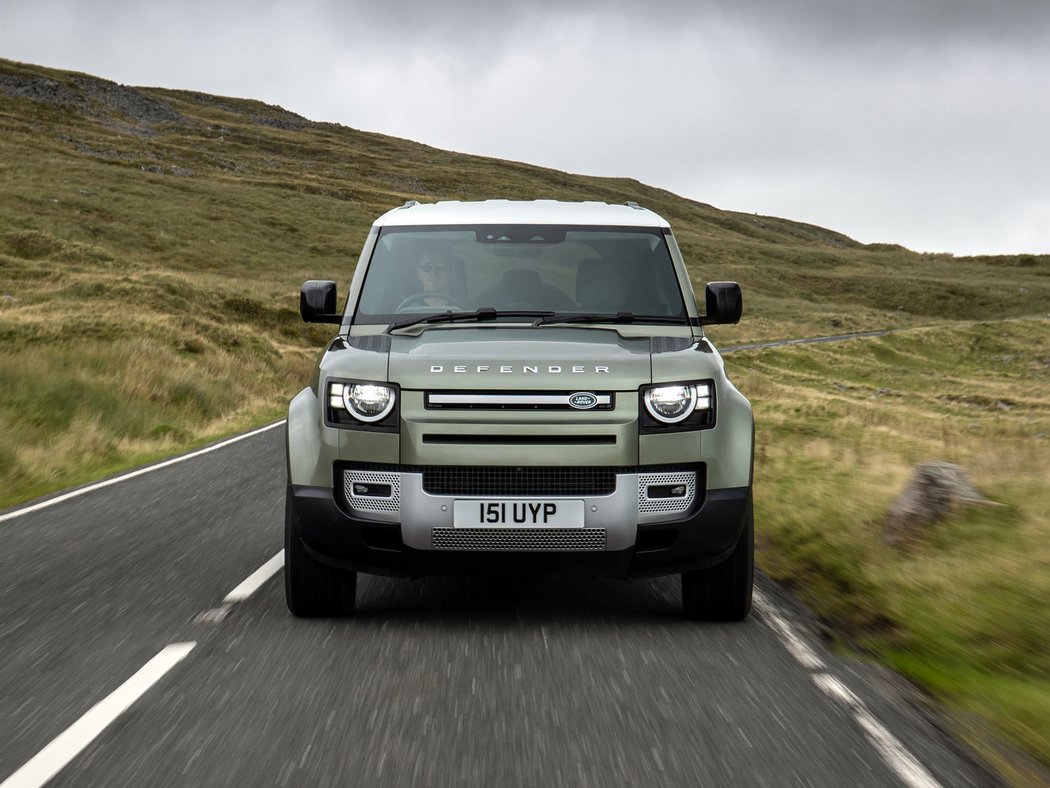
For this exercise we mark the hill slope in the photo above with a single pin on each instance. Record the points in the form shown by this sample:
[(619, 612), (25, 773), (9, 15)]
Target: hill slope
[(152, 243)]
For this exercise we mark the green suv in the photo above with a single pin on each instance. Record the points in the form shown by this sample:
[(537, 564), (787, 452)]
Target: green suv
[(520, 387)]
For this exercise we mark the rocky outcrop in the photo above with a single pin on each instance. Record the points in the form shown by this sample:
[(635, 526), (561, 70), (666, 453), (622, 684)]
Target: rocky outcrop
[(936, 490), (92, 96)]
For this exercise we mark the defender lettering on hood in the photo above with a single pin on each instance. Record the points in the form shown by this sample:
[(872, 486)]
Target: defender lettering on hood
[(525, 369), (515, 358)]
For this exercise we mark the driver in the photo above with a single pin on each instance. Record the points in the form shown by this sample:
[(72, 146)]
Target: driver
[(437, 276)]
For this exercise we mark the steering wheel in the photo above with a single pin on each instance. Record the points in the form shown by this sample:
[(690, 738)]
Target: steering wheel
[(412, 299)]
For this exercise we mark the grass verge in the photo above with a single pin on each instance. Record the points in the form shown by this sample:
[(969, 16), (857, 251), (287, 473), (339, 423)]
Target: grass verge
[(964, 613)]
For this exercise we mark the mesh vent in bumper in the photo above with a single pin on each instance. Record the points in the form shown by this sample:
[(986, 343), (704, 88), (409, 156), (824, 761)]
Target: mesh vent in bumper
[(537, 540), (678, 505), (371, 503)]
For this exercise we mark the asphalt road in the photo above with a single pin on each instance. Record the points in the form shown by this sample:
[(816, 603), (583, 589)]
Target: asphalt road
[(440, 681)]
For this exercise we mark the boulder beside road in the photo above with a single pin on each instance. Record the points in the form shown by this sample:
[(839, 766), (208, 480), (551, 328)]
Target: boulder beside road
[(936, 490)]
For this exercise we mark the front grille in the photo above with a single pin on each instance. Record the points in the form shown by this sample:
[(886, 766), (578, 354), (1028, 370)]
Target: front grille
[(538, 540), (499, 480), (532, 400)]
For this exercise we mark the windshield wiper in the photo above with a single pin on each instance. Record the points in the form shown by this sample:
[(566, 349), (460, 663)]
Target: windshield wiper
[(619, 317), (485, 313)]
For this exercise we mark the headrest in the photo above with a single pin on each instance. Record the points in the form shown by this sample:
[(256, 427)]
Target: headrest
[(521, 277)]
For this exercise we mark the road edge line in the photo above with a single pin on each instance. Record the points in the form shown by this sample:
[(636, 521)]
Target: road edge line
[(792, 642), (906, 766)]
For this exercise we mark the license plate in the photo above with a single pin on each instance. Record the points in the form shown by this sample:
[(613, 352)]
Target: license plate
[(520, 513)]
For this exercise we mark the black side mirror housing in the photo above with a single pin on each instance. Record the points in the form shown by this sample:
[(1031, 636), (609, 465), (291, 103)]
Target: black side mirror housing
[(317, 302), (725, 304)]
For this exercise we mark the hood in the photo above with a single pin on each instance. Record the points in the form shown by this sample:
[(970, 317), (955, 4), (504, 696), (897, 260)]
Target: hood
[(565, 359)]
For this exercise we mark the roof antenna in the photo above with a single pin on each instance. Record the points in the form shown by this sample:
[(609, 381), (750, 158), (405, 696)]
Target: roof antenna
[(409, 204), (633, 204)]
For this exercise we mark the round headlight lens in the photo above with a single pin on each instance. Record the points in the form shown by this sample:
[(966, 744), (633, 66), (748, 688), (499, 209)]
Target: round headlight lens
[(670, 404), (368, 402)]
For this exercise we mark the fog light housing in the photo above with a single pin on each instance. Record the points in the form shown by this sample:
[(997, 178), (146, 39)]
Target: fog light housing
[(654, 491), (371, 490)]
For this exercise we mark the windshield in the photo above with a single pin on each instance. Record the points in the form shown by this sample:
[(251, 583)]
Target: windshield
[(415, 271)]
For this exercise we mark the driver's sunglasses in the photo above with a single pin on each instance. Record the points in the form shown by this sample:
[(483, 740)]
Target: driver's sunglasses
[(430, 267)]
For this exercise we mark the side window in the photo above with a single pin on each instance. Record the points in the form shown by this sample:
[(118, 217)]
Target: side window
[(387, 266), (665, 284)]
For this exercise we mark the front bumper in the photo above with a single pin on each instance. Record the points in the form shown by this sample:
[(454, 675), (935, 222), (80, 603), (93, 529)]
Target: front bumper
[(401, 543)]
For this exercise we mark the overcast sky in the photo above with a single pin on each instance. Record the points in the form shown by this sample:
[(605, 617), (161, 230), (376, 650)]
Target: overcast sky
[(919, 122)]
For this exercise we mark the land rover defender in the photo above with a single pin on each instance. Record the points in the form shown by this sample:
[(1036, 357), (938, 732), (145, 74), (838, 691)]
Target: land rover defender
[(520, 387)]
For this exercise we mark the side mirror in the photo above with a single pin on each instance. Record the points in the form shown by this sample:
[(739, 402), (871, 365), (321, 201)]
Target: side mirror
[(317, 302), (725, 304)]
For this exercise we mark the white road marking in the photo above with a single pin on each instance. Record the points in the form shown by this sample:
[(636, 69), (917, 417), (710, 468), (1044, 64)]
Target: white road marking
[(132, 474), (794, 644), (255, 580), (836, 689), (911, 772), (68, 744)]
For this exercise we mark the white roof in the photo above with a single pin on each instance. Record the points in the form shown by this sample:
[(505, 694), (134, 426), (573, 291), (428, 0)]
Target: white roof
[(520, 212)]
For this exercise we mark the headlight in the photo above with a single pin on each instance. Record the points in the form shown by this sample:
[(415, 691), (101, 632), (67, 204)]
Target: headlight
[(670, 404), (366, 402), (679, 405)]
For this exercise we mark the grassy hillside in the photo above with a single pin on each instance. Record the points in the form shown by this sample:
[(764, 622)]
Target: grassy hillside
[(152, 244)]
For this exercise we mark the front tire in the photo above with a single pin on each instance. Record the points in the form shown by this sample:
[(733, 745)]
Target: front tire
[(313, 589), (723, 592)]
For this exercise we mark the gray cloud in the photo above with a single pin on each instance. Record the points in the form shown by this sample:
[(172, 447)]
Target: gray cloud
[(917, 123)]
